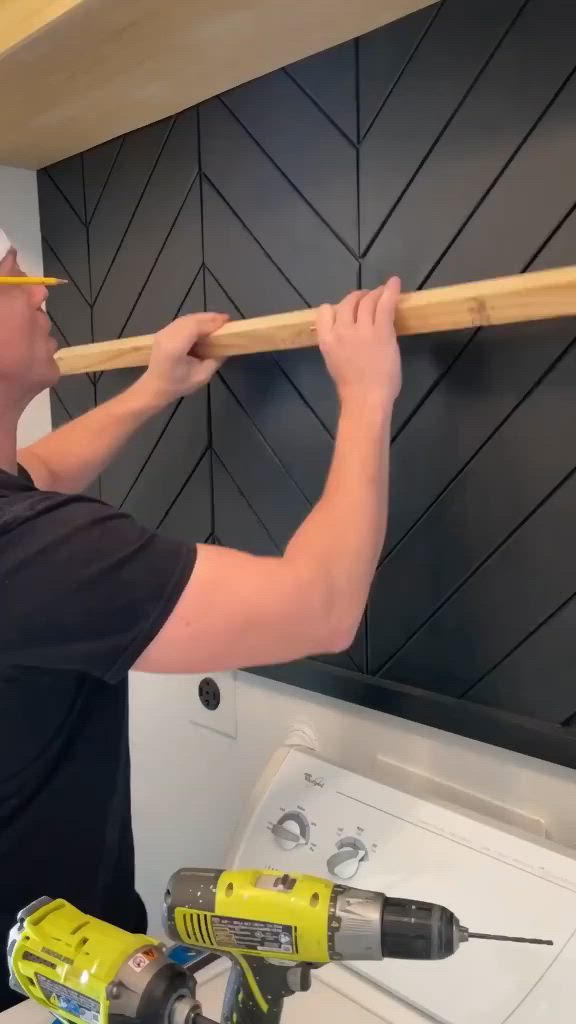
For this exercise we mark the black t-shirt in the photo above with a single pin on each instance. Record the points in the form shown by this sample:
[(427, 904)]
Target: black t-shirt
[(83, 591)]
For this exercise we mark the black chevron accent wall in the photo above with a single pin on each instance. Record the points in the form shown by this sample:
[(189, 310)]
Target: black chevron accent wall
[(441, 147)]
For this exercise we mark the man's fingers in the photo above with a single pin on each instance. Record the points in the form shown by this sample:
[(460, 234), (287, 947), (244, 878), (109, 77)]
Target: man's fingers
[(347, 310), (207, 369), (387, 303), (325, 316), (210, 322), (368, 305), (195, 326)]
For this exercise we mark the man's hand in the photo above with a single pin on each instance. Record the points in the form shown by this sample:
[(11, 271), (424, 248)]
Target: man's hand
[(174, 370), (358, 341), (71, 457)]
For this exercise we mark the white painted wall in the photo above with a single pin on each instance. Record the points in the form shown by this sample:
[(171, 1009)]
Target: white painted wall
[(191, 785), (19, 217)]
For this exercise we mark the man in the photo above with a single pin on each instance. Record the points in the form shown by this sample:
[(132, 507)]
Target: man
[(87, 593)]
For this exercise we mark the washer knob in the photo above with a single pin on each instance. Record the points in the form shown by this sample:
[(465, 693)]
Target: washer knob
[(291, 830), (349, 855)]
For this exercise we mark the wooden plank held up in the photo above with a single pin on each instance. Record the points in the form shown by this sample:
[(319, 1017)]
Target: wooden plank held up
[(540, 295)]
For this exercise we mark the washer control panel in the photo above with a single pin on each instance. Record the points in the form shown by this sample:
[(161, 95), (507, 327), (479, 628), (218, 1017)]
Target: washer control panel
[(316, 818)]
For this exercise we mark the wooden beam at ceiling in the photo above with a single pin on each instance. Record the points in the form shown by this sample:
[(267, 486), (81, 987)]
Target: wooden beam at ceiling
[(23, 19), (79, 72)]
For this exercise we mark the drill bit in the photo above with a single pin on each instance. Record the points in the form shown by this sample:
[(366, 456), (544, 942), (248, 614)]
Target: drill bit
[(508, 938)]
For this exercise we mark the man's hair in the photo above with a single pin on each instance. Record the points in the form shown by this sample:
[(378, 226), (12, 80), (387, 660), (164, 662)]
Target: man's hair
[(5, 244)]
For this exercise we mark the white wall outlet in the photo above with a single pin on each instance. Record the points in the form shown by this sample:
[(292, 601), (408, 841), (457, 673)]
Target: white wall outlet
[(213, 702)]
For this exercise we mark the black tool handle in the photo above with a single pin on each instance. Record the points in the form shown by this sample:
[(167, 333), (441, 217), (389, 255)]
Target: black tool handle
[(256, 990)]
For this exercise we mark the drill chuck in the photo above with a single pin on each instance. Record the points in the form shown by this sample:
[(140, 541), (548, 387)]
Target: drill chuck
[(413, 930)]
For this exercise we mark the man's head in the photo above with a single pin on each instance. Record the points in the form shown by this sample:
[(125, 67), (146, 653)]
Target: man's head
[(27, 364)]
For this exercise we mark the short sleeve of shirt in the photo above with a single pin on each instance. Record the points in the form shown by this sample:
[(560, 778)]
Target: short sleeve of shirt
[(82, 586)]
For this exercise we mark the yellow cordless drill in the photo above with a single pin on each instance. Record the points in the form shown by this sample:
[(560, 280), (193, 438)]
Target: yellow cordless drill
[(274, 927)]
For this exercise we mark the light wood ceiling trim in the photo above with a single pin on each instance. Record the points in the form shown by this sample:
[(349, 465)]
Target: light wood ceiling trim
[(21, 19), (79, 72)]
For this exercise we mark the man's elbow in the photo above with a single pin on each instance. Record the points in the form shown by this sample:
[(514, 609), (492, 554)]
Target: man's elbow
[(324, 616), (331, 623), (339, 638)]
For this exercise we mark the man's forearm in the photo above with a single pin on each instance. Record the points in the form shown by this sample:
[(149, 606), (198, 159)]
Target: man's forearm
[(341, 540), (70, 458)]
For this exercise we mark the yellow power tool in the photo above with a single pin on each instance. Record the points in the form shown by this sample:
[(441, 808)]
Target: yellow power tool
[(274, 927)]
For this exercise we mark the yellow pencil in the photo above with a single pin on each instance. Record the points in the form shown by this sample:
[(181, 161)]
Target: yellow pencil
[(48, 281)]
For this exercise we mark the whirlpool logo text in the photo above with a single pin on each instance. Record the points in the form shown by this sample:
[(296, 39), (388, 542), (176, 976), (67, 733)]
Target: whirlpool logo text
[(312, 781)]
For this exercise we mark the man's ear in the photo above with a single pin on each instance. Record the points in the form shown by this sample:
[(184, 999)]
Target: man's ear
[(9, 266), (5, 245)]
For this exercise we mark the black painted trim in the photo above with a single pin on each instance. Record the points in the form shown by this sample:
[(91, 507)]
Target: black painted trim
[(498, 728)]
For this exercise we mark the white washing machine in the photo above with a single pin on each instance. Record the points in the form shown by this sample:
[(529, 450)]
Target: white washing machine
[(313, 817)]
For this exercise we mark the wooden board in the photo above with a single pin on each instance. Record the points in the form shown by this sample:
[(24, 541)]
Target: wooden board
[(79, 72), (540, 295)]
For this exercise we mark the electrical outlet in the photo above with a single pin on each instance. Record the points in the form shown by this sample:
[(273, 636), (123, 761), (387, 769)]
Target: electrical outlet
[(213, 702)]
